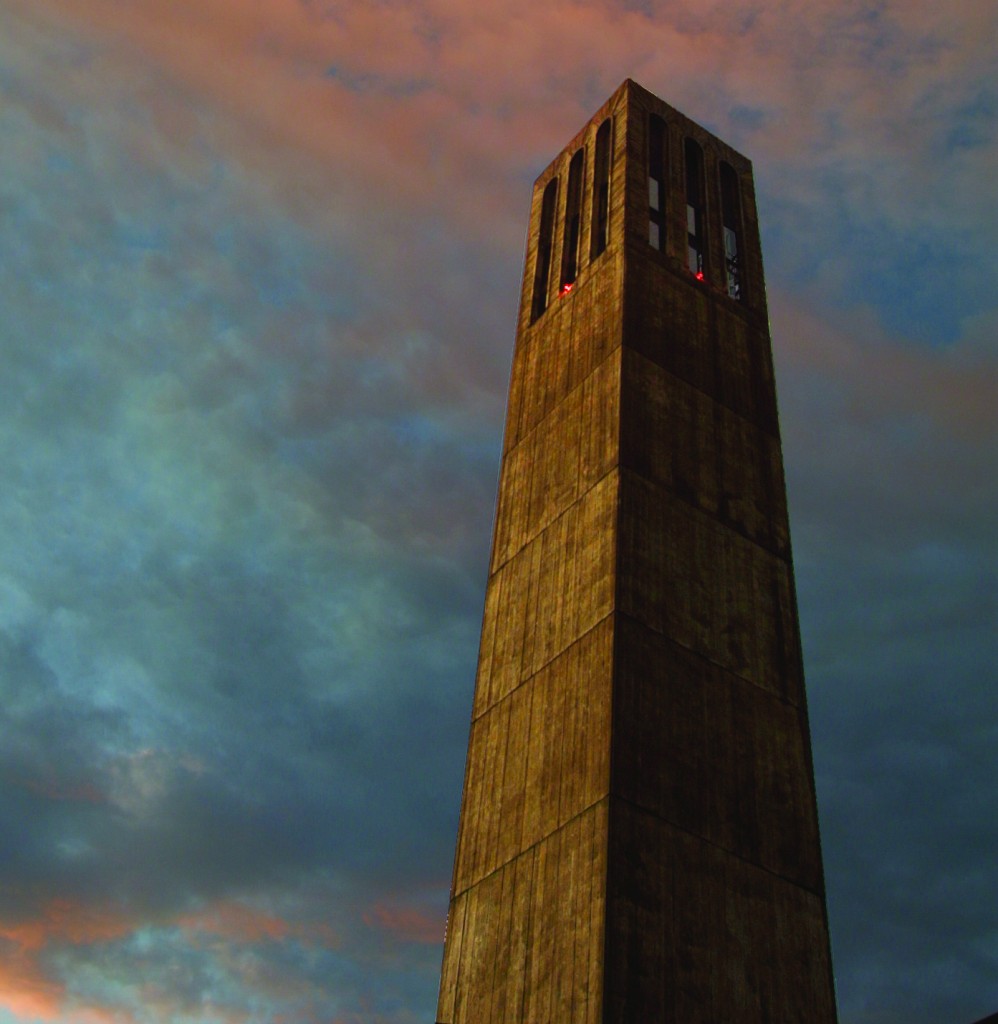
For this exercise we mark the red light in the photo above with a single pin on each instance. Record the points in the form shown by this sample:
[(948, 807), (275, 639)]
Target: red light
[(566, 288), (699, 275)]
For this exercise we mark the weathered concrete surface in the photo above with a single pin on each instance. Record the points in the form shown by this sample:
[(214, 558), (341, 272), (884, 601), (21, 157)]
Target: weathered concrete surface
[(638, 837)]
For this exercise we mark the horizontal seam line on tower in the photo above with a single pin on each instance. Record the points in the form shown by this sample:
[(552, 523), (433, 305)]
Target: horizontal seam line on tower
[(547, 526), (615, 610), (702, 511), (710, 842), (749, 313), (708, 659), (696, 387), (618, 345), (622, 467), (532, 846), (540, 668)]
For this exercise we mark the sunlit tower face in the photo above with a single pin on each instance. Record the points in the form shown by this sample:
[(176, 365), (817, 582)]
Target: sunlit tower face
[(638, 837)]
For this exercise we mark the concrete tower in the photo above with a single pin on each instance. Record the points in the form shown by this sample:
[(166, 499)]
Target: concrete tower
[(638, 839)]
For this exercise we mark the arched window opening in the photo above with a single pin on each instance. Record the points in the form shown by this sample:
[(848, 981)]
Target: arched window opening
[(599, 232), (695, 219), (573, 221), (656, 182), (731, 218), (542, 268)]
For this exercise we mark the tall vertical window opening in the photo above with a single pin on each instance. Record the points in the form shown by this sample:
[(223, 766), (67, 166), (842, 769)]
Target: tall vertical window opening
[(695, 241), (601, 191), (656, 182), (573, 221), (731, 218), (542, 268)]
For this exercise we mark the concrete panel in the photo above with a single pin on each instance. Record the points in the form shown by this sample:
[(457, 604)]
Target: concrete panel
[(499, 670), (453, 944), (707, 588), (714, 755), (555, 448), (527, 940), (669, 321), (709, 341), (537, 758), (574, 555), (566, 950), (511, 528), (674, 434), (600, 423), (699, 936), (557, 460)]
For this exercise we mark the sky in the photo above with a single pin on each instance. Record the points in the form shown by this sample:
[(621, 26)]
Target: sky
[(259, 270)]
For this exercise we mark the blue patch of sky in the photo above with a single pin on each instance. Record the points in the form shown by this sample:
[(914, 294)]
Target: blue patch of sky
[(381, 84), (922, 284), (142, 237), (746, 120), (91, 255), (82, 281), (973, 124), (58, 163), (419, 430), (645, 7), (302, 451)]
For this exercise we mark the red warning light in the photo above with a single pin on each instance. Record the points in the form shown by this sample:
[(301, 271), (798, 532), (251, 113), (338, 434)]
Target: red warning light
[(566, 288), (699, 275)]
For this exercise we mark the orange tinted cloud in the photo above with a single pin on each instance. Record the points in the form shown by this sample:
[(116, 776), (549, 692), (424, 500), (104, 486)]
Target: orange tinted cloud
[(238, 922), (66, 921), (25, 989), (408, 923)]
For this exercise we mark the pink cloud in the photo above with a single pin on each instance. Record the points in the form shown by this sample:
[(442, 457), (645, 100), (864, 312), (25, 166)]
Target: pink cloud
[(446, 106)]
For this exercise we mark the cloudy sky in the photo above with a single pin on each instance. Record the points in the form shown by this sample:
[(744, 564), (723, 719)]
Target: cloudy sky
[(259, 266)]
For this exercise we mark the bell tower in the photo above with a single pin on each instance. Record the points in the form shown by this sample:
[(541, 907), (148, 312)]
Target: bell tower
[(638, 840)]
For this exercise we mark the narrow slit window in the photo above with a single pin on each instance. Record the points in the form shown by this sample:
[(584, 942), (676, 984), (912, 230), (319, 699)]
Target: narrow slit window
[(599, 233), (573, 223), (542, 269), (656, 182), (695, 218), (731, 218)]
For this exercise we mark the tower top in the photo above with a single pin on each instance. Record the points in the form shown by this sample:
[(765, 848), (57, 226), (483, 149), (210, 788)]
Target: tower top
[(642, 173), (632, 94)]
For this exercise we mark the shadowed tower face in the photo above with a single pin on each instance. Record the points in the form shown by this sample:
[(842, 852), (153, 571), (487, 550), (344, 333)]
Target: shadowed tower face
[(638, 838)]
